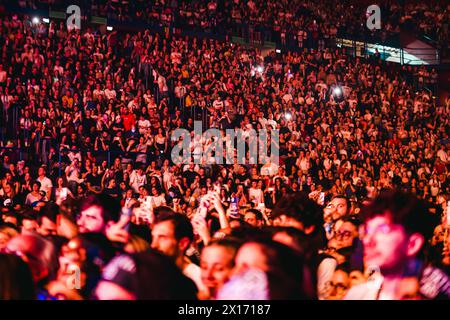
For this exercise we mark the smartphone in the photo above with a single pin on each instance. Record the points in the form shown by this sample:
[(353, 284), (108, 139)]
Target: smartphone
[(126, 214), (448, 213), (234, 204), (321, 199), (328, 227)]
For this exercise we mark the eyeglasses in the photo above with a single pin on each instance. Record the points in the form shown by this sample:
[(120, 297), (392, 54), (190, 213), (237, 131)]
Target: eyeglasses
[(343, 234), (337, 285)]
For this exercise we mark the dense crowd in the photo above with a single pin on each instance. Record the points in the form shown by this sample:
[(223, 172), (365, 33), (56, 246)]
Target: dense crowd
[(94, 186), (299, 22)]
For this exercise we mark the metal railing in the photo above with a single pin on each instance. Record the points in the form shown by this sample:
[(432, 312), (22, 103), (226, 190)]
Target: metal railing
[(26, 154)]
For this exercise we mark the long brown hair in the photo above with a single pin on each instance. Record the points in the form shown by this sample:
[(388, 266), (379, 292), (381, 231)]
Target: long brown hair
[(16, 282)]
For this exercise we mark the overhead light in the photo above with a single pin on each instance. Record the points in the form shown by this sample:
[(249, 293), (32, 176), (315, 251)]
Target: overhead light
[(337, 91), (109, 28), (260, 69), (278, 50), (35, 20), (46, 20), (288, 116)]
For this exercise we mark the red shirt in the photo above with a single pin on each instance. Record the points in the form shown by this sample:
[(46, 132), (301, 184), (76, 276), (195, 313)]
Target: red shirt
[(128, 121)]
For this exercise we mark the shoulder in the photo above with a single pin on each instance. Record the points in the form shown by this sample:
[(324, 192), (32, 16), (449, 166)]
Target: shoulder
[(434, 283), (363, 291), (191, 269)]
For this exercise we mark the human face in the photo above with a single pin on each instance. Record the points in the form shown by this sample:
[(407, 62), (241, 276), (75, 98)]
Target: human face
[(47, 227), (250, 218), (129, 193), (345, 234), (29, 225), (249, 256), (91, 220), (339, 285), (7, 188), (163, 239), (336, 209), (80, 190), (216, 264), (385, 244)]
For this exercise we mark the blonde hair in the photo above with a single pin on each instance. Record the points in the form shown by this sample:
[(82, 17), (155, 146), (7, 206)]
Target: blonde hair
[(136, 244), (9, 231)]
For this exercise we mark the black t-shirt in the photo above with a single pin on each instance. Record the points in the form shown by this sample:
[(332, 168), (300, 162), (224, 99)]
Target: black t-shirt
[(190, 176), (88, 123), (94, 180)]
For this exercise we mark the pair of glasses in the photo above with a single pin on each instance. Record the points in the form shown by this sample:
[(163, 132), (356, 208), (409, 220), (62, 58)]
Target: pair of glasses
[(343, 234), (337, 285)]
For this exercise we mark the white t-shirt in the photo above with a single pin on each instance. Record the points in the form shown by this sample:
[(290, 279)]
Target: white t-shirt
[(46, 185), (137, 181), (158, 201), (325, 273), (110, 94), (256, 194), (62, 195)]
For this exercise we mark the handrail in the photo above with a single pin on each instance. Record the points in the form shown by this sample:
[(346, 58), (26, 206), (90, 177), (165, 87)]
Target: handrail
[(109, 154)]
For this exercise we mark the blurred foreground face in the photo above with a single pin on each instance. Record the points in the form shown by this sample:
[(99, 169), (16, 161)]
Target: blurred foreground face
[(250, 255), (29, 249), (385, 244), (65, 227), (163, 239), (216, 264), (110, 291), (285, 221), (91, 220)]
